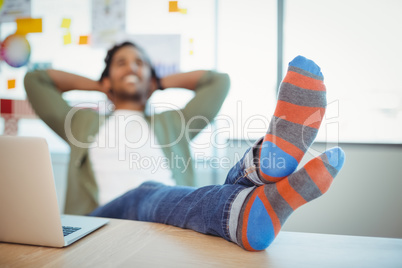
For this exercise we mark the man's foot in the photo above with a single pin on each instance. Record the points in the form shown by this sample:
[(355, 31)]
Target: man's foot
[(267, 207), (297, 118)]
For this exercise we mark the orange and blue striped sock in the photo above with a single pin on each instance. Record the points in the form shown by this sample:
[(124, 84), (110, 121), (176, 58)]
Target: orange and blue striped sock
[(295, 123), (267, 207)]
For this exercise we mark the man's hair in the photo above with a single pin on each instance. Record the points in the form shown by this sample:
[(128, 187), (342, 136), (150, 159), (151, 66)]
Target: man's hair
[(111, 52)]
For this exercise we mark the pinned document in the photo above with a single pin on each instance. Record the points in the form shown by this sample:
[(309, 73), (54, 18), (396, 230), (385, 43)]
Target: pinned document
[(65, 23), (67, 39), (10, 10), (173, 6), (83, 40), (28, 25), (191, 52), (108, 22), (11, 84)]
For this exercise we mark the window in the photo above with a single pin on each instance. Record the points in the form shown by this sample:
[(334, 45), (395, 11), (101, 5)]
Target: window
[(358, 45), (247, 52)]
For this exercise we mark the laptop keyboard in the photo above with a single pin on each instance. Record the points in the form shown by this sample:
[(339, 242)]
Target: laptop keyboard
[(69, 230)]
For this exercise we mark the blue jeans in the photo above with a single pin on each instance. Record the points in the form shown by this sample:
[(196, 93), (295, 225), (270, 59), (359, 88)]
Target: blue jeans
[(210, 210)]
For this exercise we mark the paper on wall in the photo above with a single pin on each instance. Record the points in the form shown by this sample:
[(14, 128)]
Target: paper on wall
[(65, 23), (67, 38), (11, 84), (28, 25), (13, 9), (108, 22), (83, 40)]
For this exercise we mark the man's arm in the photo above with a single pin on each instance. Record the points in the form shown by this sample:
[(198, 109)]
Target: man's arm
[(44, 89), (211, 89), (183, 80), (67, 81)]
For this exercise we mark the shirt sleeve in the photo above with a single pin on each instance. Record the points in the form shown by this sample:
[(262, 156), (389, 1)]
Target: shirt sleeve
[(210, 94), (47, 100)]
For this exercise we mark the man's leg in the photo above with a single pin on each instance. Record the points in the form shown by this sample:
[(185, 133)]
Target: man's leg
[(266, 208), (243, 211), (296, 120), (248, 216), (267, 204), (245, 171), (293, 128), (205, 210)]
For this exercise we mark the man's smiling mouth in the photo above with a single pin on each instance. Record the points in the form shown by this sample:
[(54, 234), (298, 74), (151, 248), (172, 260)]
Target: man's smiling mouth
[(131, 78)]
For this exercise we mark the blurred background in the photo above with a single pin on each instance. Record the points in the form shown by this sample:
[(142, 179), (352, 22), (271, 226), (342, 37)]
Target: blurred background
[(357, 43)]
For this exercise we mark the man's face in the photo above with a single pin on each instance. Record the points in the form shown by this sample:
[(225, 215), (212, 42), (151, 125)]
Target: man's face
[(129, 74)]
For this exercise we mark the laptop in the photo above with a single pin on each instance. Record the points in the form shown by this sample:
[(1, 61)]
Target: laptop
[(29, 213)]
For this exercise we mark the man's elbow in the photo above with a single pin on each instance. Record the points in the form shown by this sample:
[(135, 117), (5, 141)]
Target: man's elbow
[(28, 78), (32, 80), (224, 80)]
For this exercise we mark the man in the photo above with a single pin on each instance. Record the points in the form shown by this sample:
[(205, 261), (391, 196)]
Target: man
[(128, 80), (257, 198)]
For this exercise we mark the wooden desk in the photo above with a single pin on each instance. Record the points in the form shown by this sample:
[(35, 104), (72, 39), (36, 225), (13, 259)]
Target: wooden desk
[(139, 244)]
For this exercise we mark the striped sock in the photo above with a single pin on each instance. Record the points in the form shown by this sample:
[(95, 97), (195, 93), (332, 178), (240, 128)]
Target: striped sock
[(297, 117), (267, 207)]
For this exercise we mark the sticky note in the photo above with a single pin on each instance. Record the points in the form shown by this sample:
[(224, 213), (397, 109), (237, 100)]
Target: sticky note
[(67, 39), (11, 84), (65, 23), (6, 106), (183, 10), (28, 25), (83, 40), (173, 7)]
